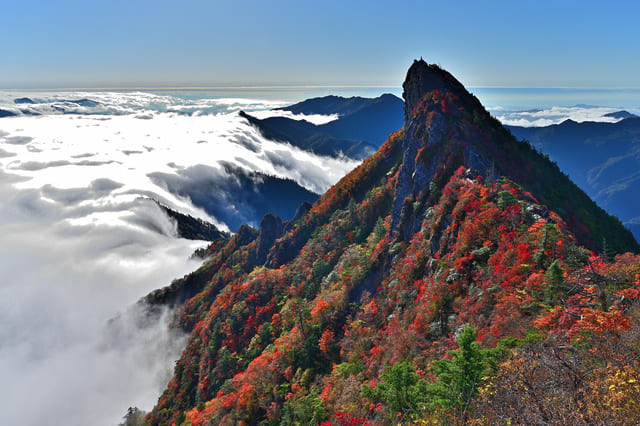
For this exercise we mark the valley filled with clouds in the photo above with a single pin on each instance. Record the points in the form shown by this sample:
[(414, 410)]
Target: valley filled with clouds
[(81, 238)]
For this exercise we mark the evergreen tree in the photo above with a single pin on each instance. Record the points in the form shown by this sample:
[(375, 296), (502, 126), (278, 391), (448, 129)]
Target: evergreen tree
[(459, 377)]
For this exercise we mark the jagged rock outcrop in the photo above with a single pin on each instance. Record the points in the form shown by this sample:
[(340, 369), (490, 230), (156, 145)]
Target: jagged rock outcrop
[(245, 234), (432, 132), (300, 212), (421, 79), (447, 127), (271, 228)]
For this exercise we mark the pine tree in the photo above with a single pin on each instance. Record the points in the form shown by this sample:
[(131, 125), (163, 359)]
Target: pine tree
[(459, 377)]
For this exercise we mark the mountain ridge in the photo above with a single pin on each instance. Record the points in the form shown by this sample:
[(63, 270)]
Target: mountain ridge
[(246, 196), (332, 104), (420, 263), (459, 131), (362, 126), (621, 114), (309, 137), (601, 158)]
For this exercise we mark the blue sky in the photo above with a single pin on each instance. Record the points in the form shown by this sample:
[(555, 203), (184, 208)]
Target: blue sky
[(140, 43)]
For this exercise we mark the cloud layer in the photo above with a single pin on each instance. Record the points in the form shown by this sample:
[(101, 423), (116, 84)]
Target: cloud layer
[(556, 115), (62, 282), (80, 240)]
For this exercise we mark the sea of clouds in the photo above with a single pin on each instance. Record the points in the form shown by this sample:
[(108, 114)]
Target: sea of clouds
[(81, 240), (556, 115)]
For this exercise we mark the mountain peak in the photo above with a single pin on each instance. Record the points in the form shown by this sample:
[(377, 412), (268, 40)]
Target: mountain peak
[(435, 141), (446, 128), (421, 79), (621, 114)]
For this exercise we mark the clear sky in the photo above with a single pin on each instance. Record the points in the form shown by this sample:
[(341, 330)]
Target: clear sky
[(141, 43)]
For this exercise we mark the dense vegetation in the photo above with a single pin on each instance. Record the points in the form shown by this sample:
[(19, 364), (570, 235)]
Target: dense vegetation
[(602, 158), (479, 306)]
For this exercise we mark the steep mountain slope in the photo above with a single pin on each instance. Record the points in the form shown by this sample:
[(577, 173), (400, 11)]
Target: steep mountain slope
[(443, 239), (362, 126), (602, 158), (458, 131)]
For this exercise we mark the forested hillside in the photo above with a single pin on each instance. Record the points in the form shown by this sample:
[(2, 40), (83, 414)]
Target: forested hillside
[(452, 278)]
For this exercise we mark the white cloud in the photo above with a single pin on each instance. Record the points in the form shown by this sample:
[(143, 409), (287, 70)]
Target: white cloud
[(80, 240), (311, 118), (60, 362), (555, 115), (62, 282), (138, 103)]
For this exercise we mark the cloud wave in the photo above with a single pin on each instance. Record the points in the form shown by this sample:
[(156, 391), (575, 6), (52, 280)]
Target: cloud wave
[(81, 239)]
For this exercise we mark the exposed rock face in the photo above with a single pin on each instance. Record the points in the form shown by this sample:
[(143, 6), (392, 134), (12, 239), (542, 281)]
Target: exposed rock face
[(271, 228), (474, 245), (447, 128), (245, 235), (436, 132), (415, 175), (421, 79), (301, 211)]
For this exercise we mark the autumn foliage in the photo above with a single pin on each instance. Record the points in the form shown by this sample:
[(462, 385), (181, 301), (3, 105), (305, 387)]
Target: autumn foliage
[(491, 312)]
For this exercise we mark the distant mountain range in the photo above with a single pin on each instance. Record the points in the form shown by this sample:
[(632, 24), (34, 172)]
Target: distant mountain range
[(235, 196), (363, 124), (62, 106), (601, 158), (620, 114), (309, 137)]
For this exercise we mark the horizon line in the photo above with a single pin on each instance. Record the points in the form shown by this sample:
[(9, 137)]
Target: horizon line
[(231, 87), (298, 87)]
